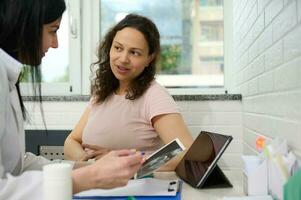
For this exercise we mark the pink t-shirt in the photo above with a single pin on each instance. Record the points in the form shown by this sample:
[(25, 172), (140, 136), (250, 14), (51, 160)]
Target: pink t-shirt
[(120, 123)]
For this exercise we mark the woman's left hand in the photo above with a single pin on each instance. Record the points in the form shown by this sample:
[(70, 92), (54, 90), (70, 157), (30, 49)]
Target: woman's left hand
[(94, 151)]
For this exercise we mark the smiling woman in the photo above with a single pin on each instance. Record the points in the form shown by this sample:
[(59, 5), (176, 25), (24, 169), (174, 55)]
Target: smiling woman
[(129, 56), (125, 91), (134, 43)]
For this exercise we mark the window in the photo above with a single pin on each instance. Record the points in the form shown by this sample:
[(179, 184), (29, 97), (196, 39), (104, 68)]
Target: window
[(61, 67), (211, 2), (195, 42), (192, 38), (55, 66)]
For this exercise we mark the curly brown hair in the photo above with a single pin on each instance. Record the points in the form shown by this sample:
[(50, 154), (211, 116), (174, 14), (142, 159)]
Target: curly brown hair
[(105, 83)]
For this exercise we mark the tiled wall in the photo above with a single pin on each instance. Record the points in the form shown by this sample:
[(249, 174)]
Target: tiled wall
[(267, 69), (215, 116)]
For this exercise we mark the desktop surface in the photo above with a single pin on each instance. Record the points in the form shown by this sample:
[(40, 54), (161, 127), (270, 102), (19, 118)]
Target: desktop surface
[(189, 193)]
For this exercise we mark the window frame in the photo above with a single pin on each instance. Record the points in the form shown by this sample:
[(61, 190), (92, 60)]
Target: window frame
[(73, 87)]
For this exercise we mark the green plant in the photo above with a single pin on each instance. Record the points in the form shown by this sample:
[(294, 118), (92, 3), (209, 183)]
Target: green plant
[(170, 58), (25, 74)]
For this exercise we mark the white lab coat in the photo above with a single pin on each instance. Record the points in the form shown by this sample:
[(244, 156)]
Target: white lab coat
[(20, 173)]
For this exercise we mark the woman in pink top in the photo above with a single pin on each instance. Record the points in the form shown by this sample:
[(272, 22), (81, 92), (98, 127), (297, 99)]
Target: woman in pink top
[(128, 108)]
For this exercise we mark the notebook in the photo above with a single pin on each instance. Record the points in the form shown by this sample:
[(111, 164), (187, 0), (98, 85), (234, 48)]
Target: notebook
[(199, 167)]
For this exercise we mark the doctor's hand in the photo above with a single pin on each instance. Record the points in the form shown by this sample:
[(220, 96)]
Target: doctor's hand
[(112, 170)]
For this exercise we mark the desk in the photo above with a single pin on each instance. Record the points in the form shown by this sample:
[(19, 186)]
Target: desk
[(190, 193)]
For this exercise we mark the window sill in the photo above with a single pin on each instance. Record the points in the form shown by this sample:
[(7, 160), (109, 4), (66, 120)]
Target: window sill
[(183, 97)]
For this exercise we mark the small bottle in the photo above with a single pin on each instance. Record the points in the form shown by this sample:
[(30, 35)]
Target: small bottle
[(57, 181), (260, 143)]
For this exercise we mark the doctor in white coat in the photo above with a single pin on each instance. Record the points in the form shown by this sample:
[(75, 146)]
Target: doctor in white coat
[(27, 30)]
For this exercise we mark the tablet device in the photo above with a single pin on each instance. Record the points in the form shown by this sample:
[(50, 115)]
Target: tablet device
[(160, 157), (199, 165)]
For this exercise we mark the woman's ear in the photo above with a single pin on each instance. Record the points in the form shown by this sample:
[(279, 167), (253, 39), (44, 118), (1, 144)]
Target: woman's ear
[(150, 58)]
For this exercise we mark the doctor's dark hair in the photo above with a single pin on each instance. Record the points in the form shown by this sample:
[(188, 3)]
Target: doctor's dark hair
[(21, 28), (105, 83)]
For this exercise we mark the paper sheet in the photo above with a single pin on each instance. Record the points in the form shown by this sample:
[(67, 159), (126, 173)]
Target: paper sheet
[(138, 187)]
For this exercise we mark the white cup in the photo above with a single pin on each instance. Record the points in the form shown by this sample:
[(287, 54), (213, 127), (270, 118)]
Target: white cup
[(57, 181)]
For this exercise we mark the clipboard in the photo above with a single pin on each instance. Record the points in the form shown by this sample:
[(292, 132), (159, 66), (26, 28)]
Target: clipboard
[(147, 188), (199, 167), (177, 197)]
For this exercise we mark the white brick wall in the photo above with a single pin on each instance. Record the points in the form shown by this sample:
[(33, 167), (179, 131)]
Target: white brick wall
[(216, 116), (58, 115), (268, 65), (299, 10), (272, 10)]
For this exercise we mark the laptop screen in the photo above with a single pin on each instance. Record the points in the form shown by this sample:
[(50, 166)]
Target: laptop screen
[(201, 157)]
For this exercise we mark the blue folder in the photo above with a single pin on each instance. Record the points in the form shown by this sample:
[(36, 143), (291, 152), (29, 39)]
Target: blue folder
[(177, 197)]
